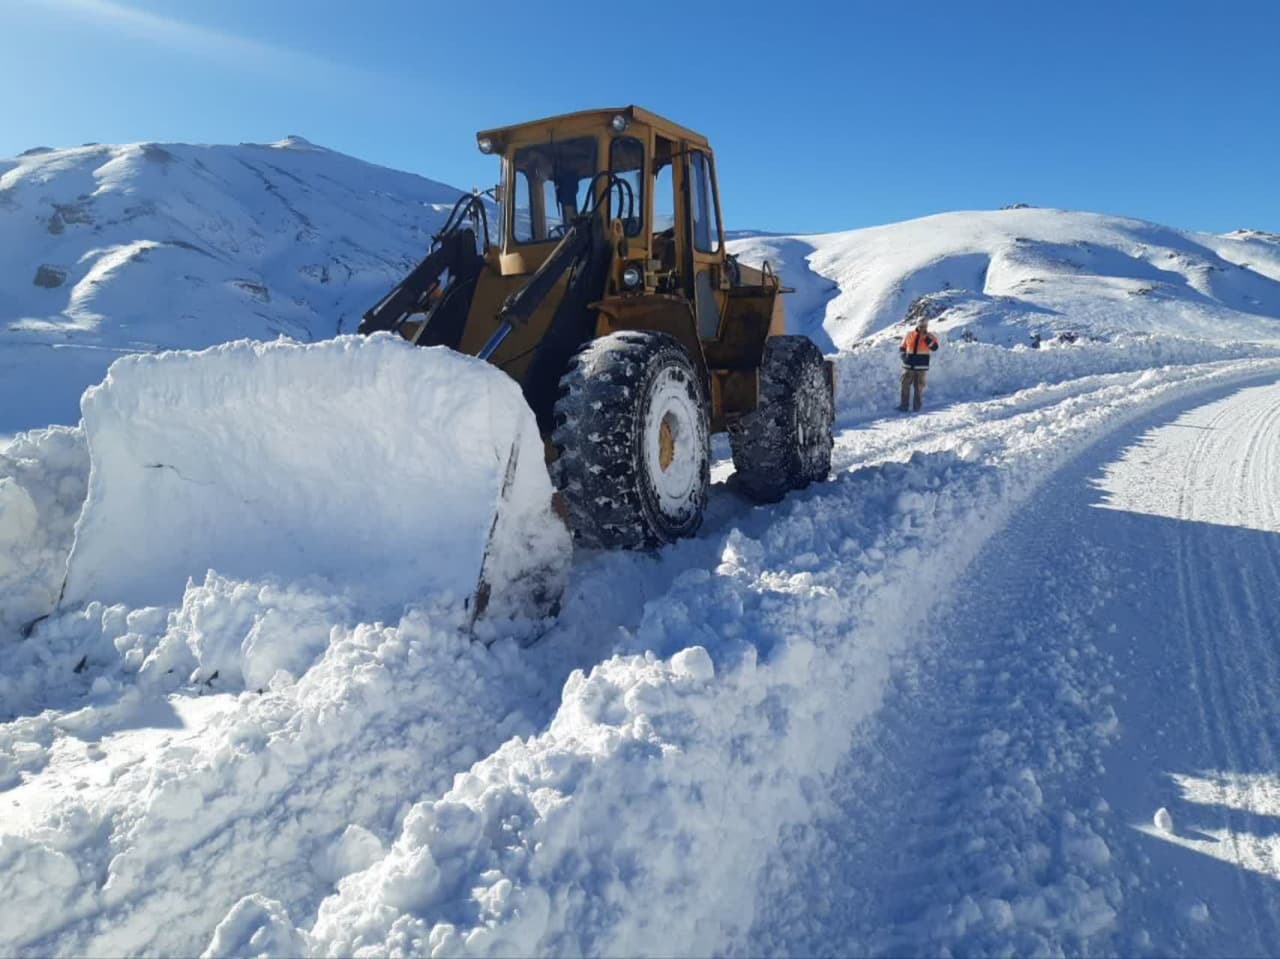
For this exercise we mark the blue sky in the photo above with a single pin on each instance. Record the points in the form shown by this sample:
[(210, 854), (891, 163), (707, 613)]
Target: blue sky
[(824, 116)]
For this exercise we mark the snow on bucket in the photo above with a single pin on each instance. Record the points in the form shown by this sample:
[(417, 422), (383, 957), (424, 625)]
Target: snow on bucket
[(396, 473)]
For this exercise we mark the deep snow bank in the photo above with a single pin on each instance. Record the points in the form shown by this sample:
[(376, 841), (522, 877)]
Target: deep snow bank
[(43, 475), (366, 463), (138, 814), (868, 374)]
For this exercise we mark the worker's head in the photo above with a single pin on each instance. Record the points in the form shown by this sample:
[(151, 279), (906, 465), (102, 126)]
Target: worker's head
[(922, 324)]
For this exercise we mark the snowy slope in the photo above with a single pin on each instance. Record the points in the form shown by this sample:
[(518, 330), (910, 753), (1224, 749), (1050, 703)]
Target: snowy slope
[(933, 705), (1004, 275), (107, 249)]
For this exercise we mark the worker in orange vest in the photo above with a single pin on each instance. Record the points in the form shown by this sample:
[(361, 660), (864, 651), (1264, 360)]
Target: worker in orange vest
[(915, 349)]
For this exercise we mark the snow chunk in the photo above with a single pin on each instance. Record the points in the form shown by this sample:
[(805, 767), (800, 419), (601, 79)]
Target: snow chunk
[(257, 926), (1163, 820), (693, 663), (354, 850), (364, 462), (43, 477), (246, 633)]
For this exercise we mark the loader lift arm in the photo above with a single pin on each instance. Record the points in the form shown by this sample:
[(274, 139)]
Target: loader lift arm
[(524, 302), (453, 252), (586, 232)]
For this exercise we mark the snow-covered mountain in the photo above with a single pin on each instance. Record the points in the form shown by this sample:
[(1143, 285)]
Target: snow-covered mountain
[(1001, 686), (110, 249), (148, 246), (1003, 276)]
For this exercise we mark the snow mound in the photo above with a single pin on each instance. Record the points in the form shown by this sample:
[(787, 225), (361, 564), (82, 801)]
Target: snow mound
[(210, 795), (371, 465), (43, 477)]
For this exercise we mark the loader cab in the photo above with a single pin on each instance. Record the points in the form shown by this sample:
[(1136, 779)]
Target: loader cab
[(557, 168), (654, 177), (654, 181)]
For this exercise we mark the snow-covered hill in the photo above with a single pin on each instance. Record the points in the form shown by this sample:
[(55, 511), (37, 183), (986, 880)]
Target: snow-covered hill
[(1023, 296), (1004, 276), (105, 249), (1002, 685)]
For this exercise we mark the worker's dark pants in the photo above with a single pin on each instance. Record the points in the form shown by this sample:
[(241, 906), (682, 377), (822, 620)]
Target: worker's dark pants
[(914, 378)]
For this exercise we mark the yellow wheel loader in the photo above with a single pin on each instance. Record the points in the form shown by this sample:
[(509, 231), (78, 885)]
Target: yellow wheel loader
[(629, 336), (606, 292)]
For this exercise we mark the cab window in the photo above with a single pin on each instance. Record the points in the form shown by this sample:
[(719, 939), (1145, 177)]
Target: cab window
[(552, 181), (626, 161), (664, 199), (706, 220)]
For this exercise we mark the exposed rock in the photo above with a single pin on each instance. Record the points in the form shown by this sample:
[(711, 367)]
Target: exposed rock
[(930, 306), (255, 290), (156, 154), (68, 213), (50, 277), (1248, 234)]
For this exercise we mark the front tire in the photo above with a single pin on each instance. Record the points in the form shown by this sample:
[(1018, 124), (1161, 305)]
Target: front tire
[(785, 443), (631, 436)]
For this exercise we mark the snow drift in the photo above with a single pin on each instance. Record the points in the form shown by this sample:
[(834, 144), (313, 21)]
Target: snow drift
[(372, 465)]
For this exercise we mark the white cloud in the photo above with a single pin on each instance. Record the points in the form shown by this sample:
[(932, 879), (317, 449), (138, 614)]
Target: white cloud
[(209, 42)]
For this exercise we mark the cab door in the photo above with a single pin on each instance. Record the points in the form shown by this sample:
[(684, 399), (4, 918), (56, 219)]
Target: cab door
[(705, 241)]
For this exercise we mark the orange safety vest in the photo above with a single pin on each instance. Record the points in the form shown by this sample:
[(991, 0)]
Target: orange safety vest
[(916, 347), (917, 342)]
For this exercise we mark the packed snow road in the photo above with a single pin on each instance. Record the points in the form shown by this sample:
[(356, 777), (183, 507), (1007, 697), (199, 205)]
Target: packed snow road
[(1111, 654)]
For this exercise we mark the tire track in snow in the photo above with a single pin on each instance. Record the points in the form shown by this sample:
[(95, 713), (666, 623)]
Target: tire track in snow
[(1204, 678), (969, 846), (1228, 660)]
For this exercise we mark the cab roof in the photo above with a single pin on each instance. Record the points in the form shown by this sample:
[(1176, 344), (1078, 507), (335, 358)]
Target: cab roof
[(584, 120)]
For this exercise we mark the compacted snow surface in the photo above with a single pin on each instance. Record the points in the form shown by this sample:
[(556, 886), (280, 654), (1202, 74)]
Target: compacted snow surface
[(1004, 684)]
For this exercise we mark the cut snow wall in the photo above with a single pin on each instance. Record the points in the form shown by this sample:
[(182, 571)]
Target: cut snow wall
[(373, 464), (42, 488)]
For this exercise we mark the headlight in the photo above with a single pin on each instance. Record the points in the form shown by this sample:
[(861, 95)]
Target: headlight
[(485, 144), (619, 123), (632, 277)]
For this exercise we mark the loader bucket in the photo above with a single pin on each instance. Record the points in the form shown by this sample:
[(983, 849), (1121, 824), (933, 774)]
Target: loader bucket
[(397, 474)]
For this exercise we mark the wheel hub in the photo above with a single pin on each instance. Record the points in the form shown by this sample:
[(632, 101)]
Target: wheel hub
[(672, 446), (666, 442)]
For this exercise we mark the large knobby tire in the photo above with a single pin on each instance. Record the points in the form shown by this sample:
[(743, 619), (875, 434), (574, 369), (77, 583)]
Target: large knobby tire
[(631, 436), (785, 443)]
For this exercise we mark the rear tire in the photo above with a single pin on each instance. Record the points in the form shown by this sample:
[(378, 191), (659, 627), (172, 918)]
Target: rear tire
[(785, 443), (633, 463)]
